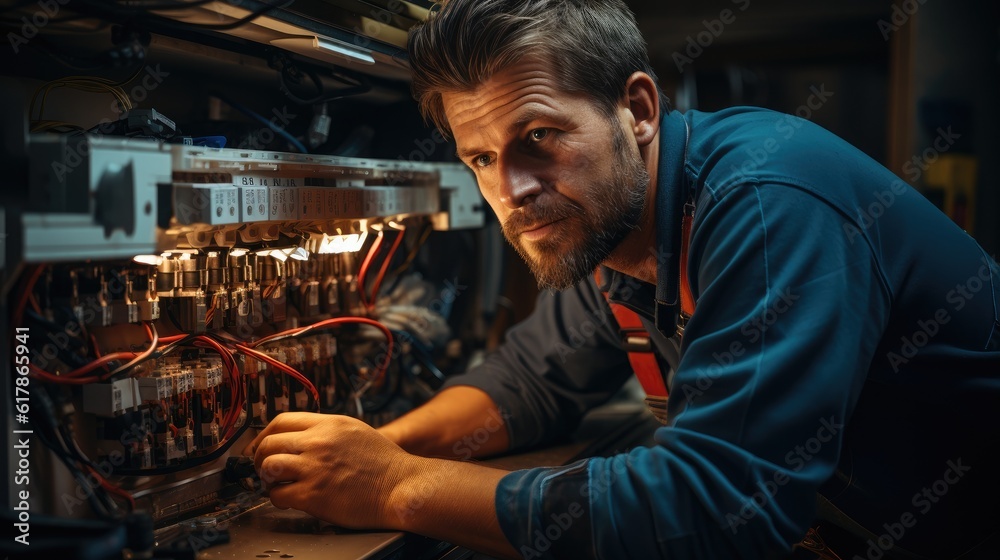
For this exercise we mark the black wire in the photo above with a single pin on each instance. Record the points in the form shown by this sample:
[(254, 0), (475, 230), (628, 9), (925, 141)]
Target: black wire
[(287, 71), (201, 460), (170, 6), (240, 22), (47, 429), (394, 384), (74, 452), (422, 355), (95, 503)]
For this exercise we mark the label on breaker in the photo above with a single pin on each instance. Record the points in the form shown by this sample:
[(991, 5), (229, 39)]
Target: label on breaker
[(283, 203), (312, 203), (206, 204), (155, 388), (253, 202), (349, 202)]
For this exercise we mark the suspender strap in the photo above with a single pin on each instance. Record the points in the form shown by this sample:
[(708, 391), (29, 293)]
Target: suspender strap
[(637, 343), (687, 298), (635, 338)]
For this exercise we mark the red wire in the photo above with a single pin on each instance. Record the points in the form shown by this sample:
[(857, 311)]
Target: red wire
[(34, 303), (384, 268), (113, 489), (341, 321), (292, 372), (229, 422), (78, 376), (363, 271), (46, 376), (22, 302)]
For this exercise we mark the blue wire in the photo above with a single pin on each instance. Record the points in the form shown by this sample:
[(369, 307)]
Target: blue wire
[(280, 131)]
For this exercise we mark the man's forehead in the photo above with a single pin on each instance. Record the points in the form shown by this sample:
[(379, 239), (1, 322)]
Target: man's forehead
[(502, 88), (513, 94)]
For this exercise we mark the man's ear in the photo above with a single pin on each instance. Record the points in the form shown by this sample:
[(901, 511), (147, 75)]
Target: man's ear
[(643, 101)]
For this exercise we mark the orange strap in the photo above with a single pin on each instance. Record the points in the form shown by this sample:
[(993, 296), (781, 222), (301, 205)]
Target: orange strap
[(687, 298), (637, 343), (636, 339)]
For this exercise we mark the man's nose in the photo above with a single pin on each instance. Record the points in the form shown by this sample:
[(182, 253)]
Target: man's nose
[(518, 185)]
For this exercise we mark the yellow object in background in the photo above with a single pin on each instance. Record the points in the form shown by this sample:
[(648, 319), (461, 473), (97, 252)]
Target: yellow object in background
[(950, 181)]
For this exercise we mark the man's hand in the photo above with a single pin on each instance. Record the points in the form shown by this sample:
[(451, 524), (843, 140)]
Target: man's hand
[(336, 468), (341, 470)]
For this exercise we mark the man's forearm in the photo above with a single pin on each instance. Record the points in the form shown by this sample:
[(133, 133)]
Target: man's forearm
[(460, 422), (451, 501)]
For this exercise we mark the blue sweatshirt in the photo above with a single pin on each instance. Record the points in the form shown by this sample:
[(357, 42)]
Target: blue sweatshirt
[(846, 343)]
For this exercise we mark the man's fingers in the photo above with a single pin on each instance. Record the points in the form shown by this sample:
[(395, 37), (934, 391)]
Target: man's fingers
[(281, 468), (286, 496), (284, 422), (284, 443)]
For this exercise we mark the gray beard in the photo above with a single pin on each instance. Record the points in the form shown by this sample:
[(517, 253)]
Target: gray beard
[(584, 239)]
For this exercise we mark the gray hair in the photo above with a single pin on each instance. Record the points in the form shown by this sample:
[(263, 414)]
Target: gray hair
[(594, 46)]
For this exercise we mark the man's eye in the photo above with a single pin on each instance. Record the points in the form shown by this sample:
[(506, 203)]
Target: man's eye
[(483, 161), (538, 134)]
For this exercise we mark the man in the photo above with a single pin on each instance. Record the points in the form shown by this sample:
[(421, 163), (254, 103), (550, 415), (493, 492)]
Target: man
[(842, 366)]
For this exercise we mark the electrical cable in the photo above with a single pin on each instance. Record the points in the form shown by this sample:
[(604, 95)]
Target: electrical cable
[(26, 291), (381, 371), (385, 266), (76, 377), (141, 357), (80, 375), (268, 123), (83, 83), (245, 20), (287, 73), (47, 428), (425, 233), (210, 456), (289, 370), (363, 271), (170, 5)]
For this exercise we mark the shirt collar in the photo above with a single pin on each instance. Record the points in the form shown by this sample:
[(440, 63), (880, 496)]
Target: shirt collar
[(670, 193)]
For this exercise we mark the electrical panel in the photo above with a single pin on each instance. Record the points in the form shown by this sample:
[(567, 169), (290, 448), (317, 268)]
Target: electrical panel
[(181, 272)]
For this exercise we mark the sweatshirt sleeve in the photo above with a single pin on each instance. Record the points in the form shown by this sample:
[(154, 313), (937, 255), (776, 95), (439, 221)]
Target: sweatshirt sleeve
[(561, 361)]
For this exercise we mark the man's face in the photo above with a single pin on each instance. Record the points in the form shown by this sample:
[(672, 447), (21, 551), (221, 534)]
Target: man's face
[(565, 181)]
